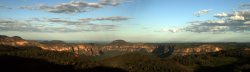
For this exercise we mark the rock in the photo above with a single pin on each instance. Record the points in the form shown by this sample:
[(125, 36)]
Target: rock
[(164, 50), (247, 49), (12, 41), (89, 50), (54, 45), (121, 45), (117, 45), (205, 48)]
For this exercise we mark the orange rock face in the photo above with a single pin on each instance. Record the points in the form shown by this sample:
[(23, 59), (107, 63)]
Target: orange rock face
[(121, 45), (196, 50), (21, 43), (93, 50)]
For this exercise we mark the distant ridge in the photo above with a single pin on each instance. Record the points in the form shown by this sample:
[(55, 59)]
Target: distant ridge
[(118, 42)]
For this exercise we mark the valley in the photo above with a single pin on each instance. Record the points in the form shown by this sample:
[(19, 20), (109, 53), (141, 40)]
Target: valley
[(122, 56)]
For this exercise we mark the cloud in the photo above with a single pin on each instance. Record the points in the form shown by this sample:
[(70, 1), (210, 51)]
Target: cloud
[(74, 6), (53, 25), (106, 27), (14, 25), (57, 20), (219, 26), (111, 18), (33, 19), (207, 26), (236, 21), (247, 22), (202, 12), (215, 22), (245, 6), (27, 7), (221, 15), (5, 7), (237, 16), (173, 30)]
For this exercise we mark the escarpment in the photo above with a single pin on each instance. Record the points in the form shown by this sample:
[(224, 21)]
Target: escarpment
[(121, 45), (55, 45), (117, 45), (12, 41), (78, 48), (204, 48)]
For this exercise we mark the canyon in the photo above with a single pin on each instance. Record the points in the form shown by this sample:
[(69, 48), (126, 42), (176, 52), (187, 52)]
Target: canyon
[(92, 49)]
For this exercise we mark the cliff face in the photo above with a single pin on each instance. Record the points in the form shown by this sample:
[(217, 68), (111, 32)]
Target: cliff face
[(90, 50), (167, 50), (121, 45), (247, 49), (12, 41), (117, 45), (206, 48)]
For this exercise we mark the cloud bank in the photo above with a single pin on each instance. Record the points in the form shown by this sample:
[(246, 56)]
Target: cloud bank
[(111, 18), (235, 21), (74, 6), (60, 24)]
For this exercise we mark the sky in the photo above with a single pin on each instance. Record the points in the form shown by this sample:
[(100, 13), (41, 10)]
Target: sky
[(130, 20)]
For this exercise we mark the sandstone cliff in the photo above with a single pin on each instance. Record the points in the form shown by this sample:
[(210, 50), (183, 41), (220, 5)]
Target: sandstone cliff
[(87, 49), (12, 41), (204, 48), (117, 45), (78, 48), (121, 45)]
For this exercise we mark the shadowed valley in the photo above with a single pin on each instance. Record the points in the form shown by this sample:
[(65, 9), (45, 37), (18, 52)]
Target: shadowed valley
[(17, 54)]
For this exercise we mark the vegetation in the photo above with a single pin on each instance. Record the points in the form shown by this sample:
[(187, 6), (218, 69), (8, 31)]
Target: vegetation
[(34, 59)]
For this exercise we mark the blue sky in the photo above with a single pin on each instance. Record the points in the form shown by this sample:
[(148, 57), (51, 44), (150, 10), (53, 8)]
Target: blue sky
[(131, 20)]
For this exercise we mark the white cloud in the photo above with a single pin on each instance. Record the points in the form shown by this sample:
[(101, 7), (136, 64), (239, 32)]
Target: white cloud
[(216, 21), (247, 22), (53, 25), (110, 2), (95, 5), (221, 15), (202, 12), (74, 6), (237, 16), (236, 21), (111, 18), (219, 28), (174, 30)]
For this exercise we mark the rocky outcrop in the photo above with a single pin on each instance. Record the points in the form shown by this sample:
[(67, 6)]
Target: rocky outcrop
[(87, 49), (247, 49), (117, 45), (167, 50), (54, 45), (206, 48), (164, 50), (12, 41), (121, 45)]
